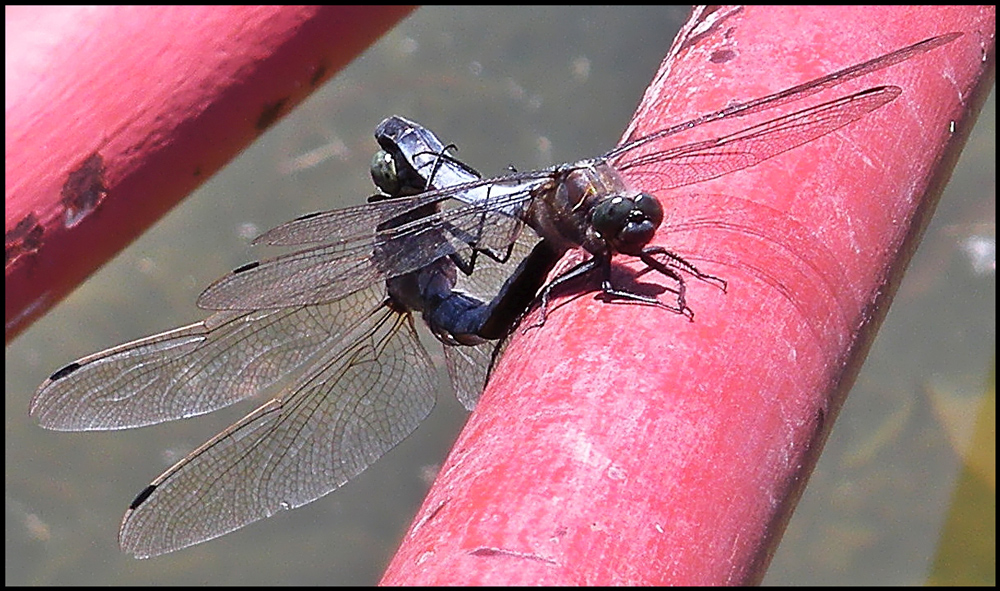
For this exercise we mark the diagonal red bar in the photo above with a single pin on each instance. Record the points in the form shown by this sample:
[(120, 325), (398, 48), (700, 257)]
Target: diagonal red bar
[(623, 445), (114, 114)]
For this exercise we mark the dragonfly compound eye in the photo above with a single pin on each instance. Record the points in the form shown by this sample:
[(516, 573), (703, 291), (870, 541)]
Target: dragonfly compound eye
[(650, 207), (384, 174), (628, 223), (610, 216)]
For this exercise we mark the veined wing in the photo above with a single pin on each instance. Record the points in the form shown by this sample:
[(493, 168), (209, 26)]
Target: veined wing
[(700, 161), (356, 400), (349, 223), (198, 368), (469, 370), (339, 267), (789, 95)]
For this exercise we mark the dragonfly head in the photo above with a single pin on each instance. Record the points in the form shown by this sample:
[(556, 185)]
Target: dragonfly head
[(383, 170), (394, 176), (385, 173), (627, 224)]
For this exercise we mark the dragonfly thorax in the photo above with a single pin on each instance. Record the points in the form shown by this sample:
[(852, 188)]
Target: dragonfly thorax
[(563, 209)]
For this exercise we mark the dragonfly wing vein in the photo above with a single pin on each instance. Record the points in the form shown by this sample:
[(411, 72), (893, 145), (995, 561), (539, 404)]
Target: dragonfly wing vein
[(346, 411)]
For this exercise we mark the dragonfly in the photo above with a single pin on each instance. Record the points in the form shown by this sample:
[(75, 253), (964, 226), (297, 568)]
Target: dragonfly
[(584, 205), (339, 282), (358, 380)]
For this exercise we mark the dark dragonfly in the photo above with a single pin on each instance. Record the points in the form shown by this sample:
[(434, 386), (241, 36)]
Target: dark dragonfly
[(582, 205), (458, 319), (338, 329), (354, 378)]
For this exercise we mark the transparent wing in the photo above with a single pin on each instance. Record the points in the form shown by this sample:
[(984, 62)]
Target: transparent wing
[(350, 223), (469, 369), (358, 400), (789, 95), (195, 369), (700, 161), (330, 271)]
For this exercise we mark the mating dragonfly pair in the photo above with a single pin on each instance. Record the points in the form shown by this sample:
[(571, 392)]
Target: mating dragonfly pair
[(331, 328)]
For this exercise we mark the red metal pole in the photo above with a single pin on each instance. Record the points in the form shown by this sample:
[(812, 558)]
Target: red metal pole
[(621, 444), (114, 114)]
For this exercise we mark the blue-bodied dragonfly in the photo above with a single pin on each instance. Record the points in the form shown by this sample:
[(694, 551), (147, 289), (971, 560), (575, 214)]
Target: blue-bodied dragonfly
[(585, 205), (356, 378), (282, 455)]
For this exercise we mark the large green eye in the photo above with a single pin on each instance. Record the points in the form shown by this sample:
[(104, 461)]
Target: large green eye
[(384, 174)]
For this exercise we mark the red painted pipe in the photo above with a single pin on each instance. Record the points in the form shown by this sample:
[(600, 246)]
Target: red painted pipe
[(114, 114), (622, 444)]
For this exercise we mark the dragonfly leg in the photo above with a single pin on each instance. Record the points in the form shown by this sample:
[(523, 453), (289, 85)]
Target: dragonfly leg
[(610, 290), (579, 269), (474, 238), (680, 263), (681, 289), (443, 156), (672, 269), (468, 266)]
